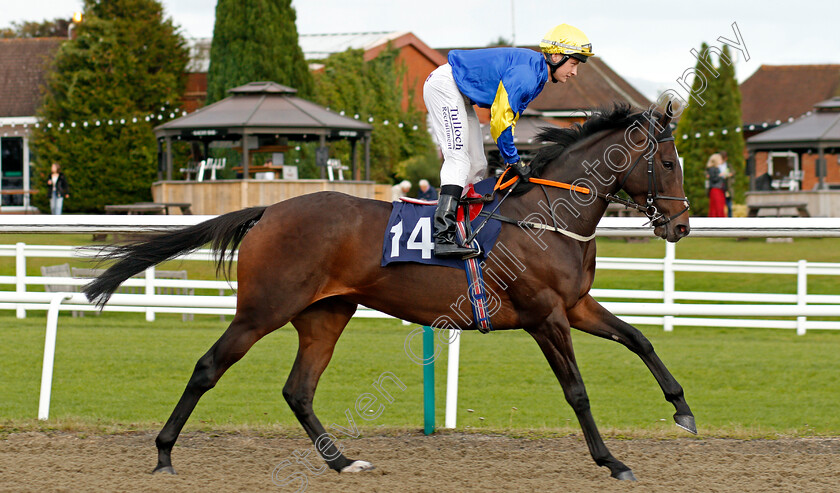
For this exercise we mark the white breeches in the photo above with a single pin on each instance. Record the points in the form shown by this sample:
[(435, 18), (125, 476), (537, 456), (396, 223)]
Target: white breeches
[(456, 129)]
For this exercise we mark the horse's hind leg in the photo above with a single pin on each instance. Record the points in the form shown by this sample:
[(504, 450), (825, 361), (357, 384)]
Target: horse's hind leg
[(555, 341), (589, 316), (319, 327), (245, 330)]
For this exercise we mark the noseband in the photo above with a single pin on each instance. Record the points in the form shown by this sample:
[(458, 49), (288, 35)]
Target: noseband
[(655, 217)]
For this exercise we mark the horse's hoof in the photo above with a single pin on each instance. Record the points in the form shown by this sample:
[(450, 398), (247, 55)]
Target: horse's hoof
[(625, 476), (686, 422), (166, 470), (358, 466)]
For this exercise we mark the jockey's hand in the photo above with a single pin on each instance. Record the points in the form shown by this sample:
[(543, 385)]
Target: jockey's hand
[(522, 169)]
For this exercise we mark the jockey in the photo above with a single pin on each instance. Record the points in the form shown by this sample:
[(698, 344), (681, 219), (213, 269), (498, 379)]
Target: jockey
[(504, 80)]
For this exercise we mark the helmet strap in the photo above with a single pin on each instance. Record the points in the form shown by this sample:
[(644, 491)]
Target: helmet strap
[(554, 66)]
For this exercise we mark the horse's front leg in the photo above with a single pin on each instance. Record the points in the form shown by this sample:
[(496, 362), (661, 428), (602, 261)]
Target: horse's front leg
[(555, 341), (589, 316)]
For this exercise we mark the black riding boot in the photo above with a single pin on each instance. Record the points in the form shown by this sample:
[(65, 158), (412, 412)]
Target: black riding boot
[(446, 216)]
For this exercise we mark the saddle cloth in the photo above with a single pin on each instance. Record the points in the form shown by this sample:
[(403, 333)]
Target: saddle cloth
[(409, 236)]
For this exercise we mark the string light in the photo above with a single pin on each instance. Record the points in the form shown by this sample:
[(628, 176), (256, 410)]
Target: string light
[(75, 125)]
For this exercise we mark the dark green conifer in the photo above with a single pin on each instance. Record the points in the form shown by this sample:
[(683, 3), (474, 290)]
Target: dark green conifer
[(126, 64), (694, 143), (255, 40)]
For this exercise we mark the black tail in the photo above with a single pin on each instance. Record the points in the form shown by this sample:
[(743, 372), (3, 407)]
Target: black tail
[(224, 233)]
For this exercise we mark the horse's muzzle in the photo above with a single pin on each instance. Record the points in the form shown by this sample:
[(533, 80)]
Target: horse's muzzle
[(672, 231)]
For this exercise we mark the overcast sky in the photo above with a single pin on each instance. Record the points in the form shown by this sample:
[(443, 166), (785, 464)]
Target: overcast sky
[(646, 42)]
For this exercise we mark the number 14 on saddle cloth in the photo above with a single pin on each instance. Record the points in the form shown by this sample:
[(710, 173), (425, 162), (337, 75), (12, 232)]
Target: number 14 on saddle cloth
[(409, 235)]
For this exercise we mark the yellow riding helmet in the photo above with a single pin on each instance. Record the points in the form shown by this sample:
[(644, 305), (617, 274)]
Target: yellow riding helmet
[(567, 40)]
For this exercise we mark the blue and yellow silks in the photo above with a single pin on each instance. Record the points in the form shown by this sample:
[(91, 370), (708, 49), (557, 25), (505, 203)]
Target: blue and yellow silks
[(504, 80)]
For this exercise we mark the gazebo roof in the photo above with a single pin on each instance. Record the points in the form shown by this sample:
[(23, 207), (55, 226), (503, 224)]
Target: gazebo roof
[(264, 107), (820, 128)]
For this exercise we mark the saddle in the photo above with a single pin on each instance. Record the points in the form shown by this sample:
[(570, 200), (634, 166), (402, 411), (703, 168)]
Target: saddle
[(472, 200)]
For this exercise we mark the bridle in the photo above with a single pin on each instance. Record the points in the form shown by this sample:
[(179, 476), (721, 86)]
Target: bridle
[(649, 209)]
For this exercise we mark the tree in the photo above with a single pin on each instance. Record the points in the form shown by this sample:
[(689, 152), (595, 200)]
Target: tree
[(373, 90), (255, 40), (692, 136), (500, 41), (729, 109), (126, 64), (32, 29)]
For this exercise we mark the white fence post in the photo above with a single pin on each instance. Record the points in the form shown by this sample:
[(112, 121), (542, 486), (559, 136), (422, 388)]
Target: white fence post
[(20, 274), (801, 293), (451, 418), (49, 355), (668, 283), (150, 290)]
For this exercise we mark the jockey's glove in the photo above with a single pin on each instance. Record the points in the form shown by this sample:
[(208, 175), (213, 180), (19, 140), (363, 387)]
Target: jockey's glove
[(522, 169)]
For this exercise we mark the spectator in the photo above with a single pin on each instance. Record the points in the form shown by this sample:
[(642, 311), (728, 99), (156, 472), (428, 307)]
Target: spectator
[(427, 191), (58, 189), (717, 183), (400, 190), (726, 173)]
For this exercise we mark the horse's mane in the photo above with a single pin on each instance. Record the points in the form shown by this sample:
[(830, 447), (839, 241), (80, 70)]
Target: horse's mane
[(620, 115)]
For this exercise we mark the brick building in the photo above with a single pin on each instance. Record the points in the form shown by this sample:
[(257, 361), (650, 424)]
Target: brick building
[(776, 93), (23, 70), (788, 113)]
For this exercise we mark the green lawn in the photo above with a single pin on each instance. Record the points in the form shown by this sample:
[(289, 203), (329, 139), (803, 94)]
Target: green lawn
[(117, 370)]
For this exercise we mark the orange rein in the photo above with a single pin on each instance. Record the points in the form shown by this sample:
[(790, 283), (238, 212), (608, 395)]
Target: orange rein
[(539, 181)]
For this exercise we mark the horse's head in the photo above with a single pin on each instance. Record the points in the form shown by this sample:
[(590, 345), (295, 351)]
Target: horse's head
[(618, 149), (655, 178)]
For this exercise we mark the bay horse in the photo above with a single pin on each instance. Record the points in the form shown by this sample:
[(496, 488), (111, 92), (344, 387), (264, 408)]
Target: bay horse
[(311, 260)]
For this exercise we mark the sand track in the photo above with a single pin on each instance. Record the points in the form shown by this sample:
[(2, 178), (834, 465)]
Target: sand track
[(35, 461)]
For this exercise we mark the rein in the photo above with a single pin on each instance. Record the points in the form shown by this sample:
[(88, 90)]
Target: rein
[(649, 209)]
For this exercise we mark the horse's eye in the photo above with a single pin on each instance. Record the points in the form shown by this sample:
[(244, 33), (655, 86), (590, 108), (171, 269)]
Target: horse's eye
[(668, 164)]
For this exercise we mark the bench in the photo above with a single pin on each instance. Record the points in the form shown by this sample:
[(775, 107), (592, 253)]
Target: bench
[(148, 208), (64, 270), (143, 208), (186, 207), (801, 209), (87, 273), (135, 209)]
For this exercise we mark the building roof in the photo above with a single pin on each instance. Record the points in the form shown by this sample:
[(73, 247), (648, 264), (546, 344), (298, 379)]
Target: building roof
[(819, 128), (23, 72), (778, 92), (320, 46), (525, 134), (264, 107), (596, 85)]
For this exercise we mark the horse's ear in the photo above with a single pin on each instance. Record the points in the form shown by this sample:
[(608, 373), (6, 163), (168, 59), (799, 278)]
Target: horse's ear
[(666, 117)]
